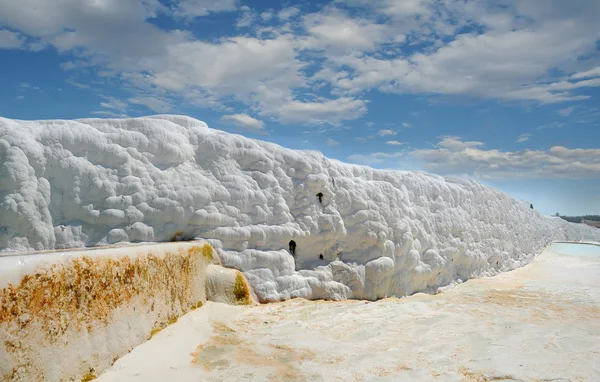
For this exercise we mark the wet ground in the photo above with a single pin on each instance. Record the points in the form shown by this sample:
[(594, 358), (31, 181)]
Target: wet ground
[(537, 323)]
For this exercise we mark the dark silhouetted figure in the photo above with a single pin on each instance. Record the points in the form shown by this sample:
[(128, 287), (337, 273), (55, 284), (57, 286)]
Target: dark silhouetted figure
[(320, 196), (531, 206), (333, 182), (292, 247), (321, 256)]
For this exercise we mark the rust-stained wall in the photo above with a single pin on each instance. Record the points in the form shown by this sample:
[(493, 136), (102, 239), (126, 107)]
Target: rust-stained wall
[(74, 318), (228, 286)]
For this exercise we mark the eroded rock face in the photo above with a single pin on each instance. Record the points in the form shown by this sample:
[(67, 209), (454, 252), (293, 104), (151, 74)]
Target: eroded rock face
[(381, 233), (77, 312)]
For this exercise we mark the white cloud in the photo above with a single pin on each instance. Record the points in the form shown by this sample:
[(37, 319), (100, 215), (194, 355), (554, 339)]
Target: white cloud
[(10, 40), (247, 18), (566, 111), (318, 112), (196, 8), (375, 158), (25, 86), (403, 10), (261, 73), (20, 97), (595, 72), (402, 46), (553, 125), (331, 142), (267, 15), (153, 103), (109, 114), (405, 7), (77, 84), (395, 143), (218, 66), (113, 103), (246, 122), (554, 92), (386, 132), (337, 33), (68, 65), (558, 162), (364, 159), (111, 32), (365, 139), (406, 124), (523, 137), (288, 13), (456, 143), (509, 60), (488, 66), (36, 46)]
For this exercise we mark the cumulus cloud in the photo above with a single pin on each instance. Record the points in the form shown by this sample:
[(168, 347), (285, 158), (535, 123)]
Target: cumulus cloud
[(321, 111), (10, 40), (385, 132), (326, 62), (332, 142), (553, 92), (26, 86), (338, 33), (196, 8), (218, 66), (364, 159), (557, 162), (395, 143), (267, 15), (521, 44), (108, 33), (109, 114), (552, 125), (247, 18), (114, 103), (566, 111), (288, 13), (456, 143), (78, 85), (245, 121), (361, 139), (375, 158), (153, 103), (595, 72)]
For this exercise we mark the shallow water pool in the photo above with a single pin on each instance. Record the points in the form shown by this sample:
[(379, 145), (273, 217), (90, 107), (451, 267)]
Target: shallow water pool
[(576, 249)]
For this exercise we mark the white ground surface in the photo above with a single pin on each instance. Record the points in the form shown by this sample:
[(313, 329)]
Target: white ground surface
[(537, 323)]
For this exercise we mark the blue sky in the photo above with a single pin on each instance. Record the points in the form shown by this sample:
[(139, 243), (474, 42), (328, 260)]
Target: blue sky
[(506, 92)]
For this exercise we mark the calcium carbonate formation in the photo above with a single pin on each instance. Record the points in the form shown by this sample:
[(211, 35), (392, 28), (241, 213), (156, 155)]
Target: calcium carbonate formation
[(294, 222)]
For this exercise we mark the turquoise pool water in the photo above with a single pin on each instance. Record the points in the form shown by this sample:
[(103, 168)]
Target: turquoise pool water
[(576, 249)]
